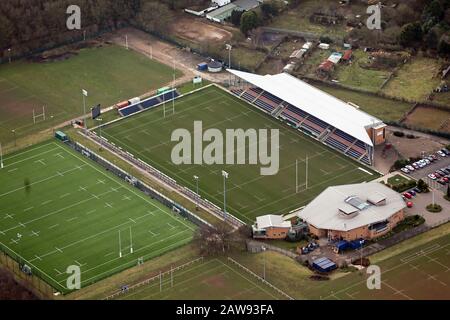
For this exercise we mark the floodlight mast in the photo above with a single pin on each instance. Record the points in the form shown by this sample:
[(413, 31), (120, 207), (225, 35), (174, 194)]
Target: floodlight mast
[(120, 246), (1, 156), (131, 241), (225, 177)]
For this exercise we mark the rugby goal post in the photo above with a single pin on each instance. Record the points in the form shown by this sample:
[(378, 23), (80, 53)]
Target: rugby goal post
[(38, 116)]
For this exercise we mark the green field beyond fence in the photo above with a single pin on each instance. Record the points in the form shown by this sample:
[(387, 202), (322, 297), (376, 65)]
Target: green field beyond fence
[(109, 74), (59, 209)]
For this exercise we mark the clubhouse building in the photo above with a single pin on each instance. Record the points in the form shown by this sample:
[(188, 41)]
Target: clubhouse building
[(353, 211)]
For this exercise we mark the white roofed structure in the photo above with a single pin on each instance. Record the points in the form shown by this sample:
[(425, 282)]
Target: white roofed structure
[(319, 104), (349, 207)]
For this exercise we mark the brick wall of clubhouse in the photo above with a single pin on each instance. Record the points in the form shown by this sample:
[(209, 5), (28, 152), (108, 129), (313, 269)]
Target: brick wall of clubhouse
[(275, 233), (361, 232)]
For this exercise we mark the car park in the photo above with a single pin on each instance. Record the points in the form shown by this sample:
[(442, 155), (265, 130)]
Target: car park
[(417, 190), (407, 195)]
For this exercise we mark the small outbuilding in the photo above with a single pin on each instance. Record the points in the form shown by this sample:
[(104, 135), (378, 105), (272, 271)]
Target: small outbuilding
[(215, 66), (271, 227), (324, 265)]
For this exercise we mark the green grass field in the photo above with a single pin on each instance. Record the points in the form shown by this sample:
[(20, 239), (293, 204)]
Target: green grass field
[(208, 280), (419, 273), (59, 209), (109, 74), (148, 136), (354, 75), (415, 80), (383, 108)]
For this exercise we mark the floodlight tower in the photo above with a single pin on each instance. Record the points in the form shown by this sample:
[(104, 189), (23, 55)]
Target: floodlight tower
[(196, 183), (225, 177), (1, 156)]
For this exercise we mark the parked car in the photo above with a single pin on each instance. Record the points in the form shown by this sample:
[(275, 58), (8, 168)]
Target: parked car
[(417, 190), (410, 167), (432, 176), (430, 158), (412, 192), (422, 163), (416, 165), (440, 181), (437, 175), (407, 195), (445, 170), (434, 157), (444, 150), (409, 204), (405, 170), (442, 154), (427, 161), (442, 173)]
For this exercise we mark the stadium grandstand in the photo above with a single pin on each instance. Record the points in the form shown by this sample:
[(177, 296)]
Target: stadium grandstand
[(126, 108), (333, 122)]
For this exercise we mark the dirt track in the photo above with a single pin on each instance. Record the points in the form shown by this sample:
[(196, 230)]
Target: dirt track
[(165, 53), (199, 31)]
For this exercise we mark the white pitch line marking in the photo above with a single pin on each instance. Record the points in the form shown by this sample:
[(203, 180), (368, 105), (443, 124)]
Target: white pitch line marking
[(59, 155), (57, 272), (46, 202), (27, 209), (41, 161), (58, 249), (132, 220), (107, 205), (126, 198), (171, 226), (34, 233), (53, 226), (92, 211), (12, 170), (100, 181), (22, 225), (95, 196), (8, 216), (109, 254), (14, 240), (71, 219), (80, 264), (37, 257), (151, 213), (65, 195), (82, 188), (60, 174)]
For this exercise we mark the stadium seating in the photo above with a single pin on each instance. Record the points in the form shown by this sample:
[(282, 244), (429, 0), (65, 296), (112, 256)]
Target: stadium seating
[(150, 103), (168, 96), (237, 92), (129, 110), (306, 122)]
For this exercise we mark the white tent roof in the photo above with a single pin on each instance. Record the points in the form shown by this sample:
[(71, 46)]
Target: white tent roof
[(320, 104), (323, 211), (272, 220)]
